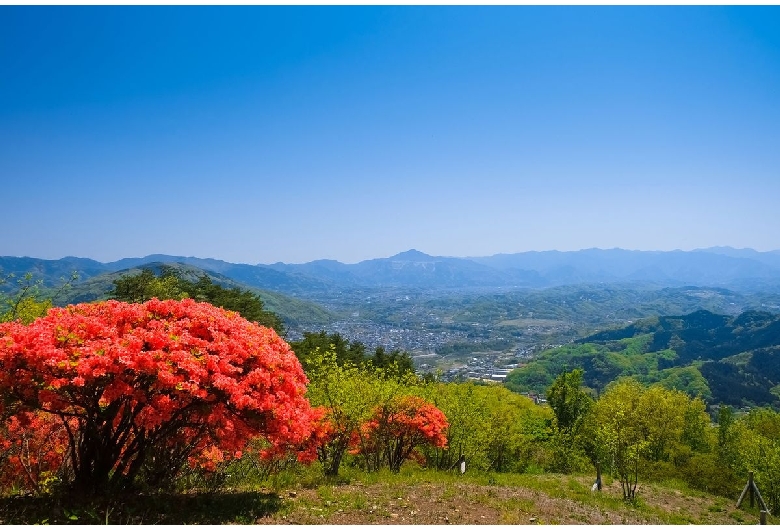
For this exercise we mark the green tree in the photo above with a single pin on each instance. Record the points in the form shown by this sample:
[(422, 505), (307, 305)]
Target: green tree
[(246, 303), (466, 409), (570, 404), (646, 430), (727, 439), (619, 425), (170, 285), (393, 364), (696, 425), (144, 286), (493, 428), (713, 461), (758, 435), (27, 302), (350, 395), (347, 394), (516, 428), (314, 343)]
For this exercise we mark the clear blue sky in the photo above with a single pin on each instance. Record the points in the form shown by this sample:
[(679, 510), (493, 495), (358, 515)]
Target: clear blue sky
[(264, 134)]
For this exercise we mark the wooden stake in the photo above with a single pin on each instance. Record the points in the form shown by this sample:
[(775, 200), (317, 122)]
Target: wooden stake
[(760, 500), (753, 489), (742, 495), (598, 476)]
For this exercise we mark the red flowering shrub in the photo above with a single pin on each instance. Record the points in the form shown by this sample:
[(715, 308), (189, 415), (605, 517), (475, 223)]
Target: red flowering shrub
[(32, 451), (332, 437), (396, 430), (170, 382)]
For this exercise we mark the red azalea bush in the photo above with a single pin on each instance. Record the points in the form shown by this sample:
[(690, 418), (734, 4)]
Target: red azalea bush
[(32, 451), (170, 382), (332, 438), (397, 429)]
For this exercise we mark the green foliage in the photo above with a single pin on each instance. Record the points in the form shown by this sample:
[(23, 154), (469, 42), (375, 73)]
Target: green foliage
[(569, 401), (348, 393), (714, 471), (467, 412), (637, 430), (147, 285), (171, 285), (726, 435), (731, 360), (757, 439), (495, 429), (740, 444), (617, 427), (26, 302), (351, 394), (570, 404), (516, 427), (687, 379), (244, 302), (394, 364), (313, 344)]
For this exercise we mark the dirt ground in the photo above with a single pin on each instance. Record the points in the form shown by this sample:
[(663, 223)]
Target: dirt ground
[(389, 500), (467, 504)]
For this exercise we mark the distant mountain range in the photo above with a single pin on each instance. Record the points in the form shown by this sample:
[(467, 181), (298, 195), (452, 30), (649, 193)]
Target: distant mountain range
[(97, 279), (717, 266)]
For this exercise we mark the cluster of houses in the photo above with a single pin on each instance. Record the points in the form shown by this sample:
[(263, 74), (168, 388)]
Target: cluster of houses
[(537, 398), (475, 372)]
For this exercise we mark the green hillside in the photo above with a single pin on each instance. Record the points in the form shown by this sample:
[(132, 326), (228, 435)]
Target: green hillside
[(729, 360), (295, 313)]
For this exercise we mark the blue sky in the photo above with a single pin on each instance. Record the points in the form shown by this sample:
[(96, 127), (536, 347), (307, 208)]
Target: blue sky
[(264, 134)]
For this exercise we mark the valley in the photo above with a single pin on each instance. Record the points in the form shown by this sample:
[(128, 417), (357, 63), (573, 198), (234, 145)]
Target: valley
[(479, 334)]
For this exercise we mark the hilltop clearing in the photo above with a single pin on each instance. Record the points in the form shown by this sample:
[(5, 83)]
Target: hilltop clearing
[(414, 497)]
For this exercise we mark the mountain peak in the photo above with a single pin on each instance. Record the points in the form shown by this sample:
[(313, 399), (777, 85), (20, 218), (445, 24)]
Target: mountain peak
[(411, 255)]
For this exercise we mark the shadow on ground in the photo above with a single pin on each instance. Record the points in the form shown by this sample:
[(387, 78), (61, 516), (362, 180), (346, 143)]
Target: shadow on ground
[(194, 508)]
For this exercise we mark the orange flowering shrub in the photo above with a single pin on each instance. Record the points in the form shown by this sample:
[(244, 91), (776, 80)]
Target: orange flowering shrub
[(32, 451), (332, 437), (396, 430), (181, 381)]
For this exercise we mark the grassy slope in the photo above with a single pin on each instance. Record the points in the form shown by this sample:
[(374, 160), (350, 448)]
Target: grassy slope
[(412, 497), (444, 498)]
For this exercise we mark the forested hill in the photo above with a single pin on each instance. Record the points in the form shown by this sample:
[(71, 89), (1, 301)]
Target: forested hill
[(701, 335), (731, 360), (295, 313)]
